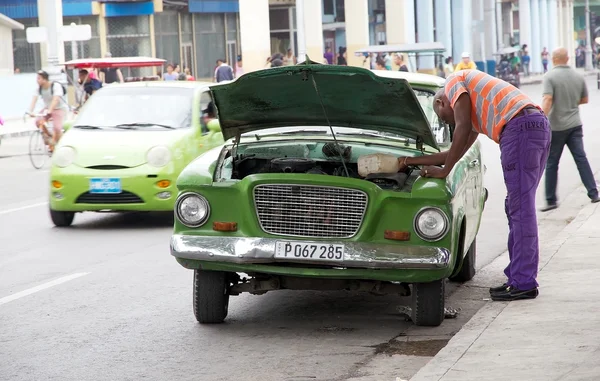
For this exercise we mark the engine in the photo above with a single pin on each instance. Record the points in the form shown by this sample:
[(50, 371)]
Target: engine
[(252, 165)]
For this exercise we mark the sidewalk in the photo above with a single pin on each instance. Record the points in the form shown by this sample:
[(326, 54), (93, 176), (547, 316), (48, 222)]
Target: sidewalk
[(538, 78), (553, 337)]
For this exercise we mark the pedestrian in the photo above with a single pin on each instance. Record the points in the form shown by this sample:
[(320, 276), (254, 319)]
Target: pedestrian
[(223, 72), (341, 58), (465, 63), (399, 61), (171, 74), (328, 55), (563, 91), (478, 103), (449, 66), (545, 54)]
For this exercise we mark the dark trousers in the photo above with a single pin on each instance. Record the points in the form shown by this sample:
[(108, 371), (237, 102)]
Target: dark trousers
[(524, 146), (572, 138)]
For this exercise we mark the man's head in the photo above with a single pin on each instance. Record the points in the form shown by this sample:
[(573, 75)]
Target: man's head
[(84, 76), (380, 64), (441, 106), (43, 79), (560, 56), (466, 57), (220, 61), (276, 62), (398, 59), (170, 68)]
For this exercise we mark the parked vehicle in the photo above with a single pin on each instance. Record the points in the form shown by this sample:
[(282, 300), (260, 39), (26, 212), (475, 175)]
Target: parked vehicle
[(284, 202)]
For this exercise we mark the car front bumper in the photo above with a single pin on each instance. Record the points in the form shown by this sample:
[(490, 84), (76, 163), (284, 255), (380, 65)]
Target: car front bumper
[(139, 190), (242, 250)]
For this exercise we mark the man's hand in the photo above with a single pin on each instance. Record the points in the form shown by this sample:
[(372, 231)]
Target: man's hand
[(434, 172)]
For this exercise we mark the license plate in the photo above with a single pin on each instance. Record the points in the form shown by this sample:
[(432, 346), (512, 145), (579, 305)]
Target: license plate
[(309, 251), (111, 185)]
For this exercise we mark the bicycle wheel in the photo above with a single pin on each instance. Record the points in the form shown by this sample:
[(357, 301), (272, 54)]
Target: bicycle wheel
[(38, 152)]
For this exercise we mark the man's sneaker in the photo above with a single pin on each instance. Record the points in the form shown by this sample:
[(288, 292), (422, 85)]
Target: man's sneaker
[(595, 200), (513, 293), (494, 290), (549, 207)]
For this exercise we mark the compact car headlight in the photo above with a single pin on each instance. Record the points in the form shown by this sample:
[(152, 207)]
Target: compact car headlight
[(192, 210), (431, 224), (158, 156), (64, 156)]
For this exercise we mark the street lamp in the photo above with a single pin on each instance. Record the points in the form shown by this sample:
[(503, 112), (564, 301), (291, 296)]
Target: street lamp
[(588, 37)]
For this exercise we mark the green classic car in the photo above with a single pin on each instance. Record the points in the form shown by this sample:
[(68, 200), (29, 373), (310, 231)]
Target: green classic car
[(127, 146), (281, 204)]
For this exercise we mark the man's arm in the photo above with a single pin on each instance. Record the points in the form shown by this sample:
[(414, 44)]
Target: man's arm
[(463, 132), (120, 75), (437, 158), (547, 95), (56, 98), (584, 94)]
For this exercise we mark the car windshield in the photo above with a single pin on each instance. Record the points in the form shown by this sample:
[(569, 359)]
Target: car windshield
[(138, 107), (426, 100)]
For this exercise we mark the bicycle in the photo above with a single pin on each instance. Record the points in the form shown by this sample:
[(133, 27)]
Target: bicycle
[(40, 142)]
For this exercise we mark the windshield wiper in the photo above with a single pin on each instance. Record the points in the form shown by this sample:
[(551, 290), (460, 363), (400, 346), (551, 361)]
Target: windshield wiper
[(87, 127), (132, 126)]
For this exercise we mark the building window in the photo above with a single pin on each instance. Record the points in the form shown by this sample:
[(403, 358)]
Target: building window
[(166, 29), (328, 7), (129, 36), (210, 42), (26, 56), (83, 49)]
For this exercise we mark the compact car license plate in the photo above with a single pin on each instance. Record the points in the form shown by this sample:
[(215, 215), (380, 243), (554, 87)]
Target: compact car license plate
[(110, 185), (310, 251)]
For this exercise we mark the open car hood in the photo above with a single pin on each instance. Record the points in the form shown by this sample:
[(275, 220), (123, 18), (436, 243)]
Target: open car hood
[(347, 97)]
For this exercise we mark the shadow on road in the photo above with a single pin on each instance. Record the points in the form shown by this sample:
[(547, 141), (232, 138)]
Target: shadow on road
[(126, 220)]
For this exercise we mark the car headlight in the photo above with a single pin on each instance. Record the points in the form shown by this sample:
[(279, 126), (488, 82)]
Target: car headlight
[(192, 210), (64, 156), (431, 224), (158, 156)]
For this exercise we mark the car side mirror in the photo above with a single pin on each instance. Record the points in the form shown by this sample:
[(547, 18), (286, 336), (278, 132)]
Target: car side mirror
[(68, 124), (442, 133), (214, 126)]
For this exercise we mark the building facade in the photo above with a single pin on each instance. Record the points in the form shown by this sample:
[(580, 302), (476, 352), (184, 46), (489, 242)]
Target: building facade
[(195, 33)]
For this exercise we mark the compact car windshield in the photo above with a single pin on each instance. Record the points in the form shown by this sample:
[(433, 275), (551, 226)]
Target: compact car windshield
[(138, 108)]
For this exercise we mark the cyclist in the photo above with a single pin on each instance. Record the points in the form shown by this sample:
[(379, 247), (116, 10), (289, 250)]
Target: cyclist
[(55, 104)]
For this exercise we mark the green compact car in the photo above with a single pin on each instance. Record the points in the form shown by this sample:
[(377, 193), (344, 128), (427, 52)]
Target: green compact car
[(283, 202), (127, 146)]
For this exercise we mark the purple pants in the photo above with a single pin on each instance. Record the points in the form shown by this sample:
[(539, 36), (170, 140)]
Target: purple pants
[(524, 149)]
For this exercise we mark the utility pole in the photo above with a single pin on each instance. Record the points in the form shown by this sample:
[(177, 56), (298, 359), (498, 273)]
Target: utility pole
[(588, 37), (300, 30)]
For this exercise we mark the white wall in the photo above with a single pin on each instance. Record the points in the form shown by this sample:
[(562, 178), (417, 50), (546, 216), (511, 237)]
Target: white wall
[(15, 102), (6, 51)]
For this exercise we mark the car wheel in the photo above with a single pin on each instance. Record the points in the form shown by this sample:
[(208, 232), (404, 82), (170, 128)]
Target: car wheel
[(62, 219), (467, 270), (428, 300), (211, 296)]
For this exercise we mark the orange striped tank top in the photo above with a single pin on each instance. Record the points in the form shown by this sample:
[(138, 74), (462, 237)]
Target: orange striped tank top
[(493, 101)]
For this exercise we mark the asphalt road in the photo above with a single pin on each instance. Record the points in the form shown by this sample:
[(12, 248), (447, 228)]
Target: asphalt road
[(104, 300)]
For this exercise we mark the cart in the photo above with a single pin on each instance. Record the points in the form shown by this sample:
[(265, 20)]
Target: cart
[(423, 49), (112, 63)]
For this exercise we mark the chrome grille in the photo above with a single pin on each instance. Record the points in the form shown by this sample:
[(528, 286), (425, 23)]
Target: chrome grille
[(309, 211)]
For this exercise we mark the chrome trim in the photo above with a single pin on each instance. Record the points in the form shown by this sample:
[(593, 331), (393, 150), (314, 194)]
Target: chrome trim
[(360, 222), (243, 250), (182, 197), (442, 235)]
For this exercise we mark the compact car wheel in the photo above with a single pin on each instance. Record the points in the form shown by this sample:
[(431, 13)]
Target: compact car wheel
[(467, 271), (62, 219), (211, 296), (428, 300)]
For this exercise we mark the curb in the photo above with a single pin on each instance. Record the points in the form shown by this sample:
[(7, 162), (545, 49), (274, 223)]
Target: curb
[(17, 134), (460, 343)]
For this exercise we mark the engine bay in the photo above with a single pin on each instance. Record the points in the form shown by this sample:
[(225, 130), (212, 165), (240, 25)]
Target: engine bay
[(328, 159)]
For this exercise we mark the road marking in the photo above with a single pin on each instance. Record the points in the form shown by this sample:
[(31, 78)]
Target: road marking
[(41, 287), (23, 208)]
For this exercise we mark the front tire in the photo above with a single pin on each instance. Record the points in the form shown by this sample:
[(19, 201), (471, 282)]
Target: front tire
[(62, 219), (428, 302), (467, 270), (211, 296)]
